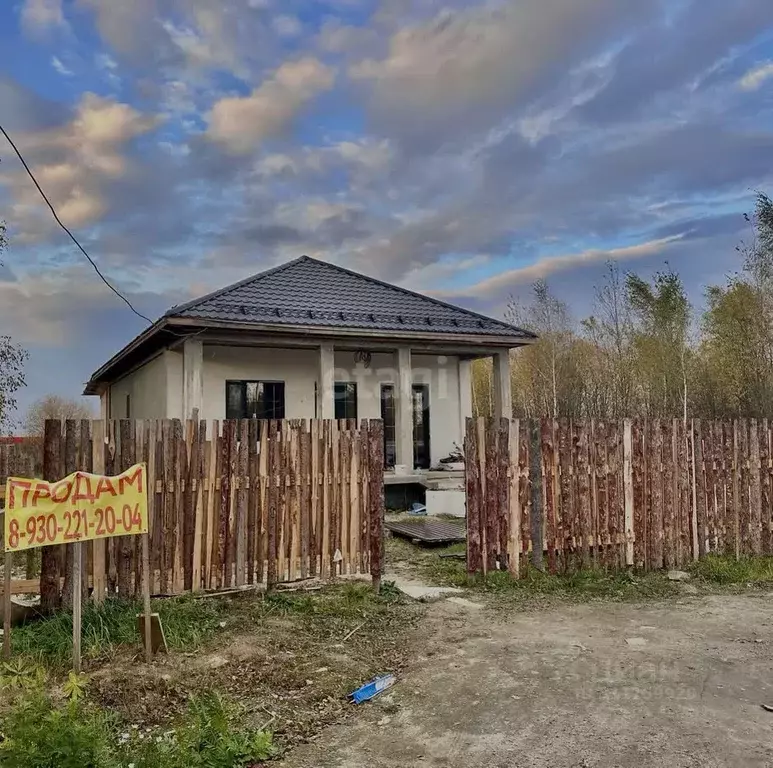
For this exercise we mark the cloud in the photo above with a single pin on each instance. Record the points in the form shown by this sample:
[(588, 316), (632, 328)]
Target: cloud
[(240, 124), (39, 16), (464, 67), (754, 79), (74, 162), (503, 283), (287, 26), (57, 64)]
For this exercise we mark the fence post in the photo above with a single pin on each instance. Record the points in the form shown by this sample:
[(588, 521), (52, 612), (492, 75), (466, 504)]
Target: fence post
[(376, 496), (49, 556), (535, 470), (628, 489)]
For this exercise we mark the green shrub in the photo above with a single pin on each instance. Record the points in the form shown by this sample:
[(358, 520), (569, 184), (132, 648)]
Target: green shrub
[(37, 734), (205, 738)]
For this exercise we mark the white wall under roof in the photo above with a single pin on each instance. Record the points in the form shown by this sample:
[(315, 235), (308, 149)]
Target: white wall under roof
[(156, 389)]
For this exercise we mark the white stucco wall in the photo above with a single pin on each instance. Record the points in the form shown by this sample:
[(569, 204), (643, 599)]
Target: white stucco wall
[(297, 368), (156, 389), (147, 391)]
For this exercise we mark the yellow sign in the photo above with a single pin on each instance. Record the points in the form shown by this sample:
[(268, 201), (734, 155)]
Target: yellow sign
[(81, 507)]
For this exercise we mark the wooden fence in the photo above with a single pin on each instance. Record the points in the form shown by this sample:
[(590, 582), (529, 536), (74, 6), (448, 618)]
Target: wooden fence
[(651, 494), (232, 503)]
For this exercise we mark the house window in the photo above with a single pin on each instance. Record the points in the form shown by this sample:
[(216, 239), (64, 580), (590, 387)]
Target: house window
[(254, 400), (388, 416), (346, 400), (128, 406)]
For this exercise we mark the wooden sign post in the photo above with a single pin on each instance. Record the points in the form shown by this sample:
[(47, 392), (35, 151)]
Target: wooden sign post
[(146, 597), (81, 507), (7, 606)]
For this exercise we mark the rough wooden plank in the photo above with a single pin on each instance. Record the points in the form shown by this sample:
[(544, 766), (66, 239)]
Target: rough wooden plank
[(253, 495), (50, 597), (345, 469), (474, 497), (563, 533), (326, 448), (712, 459), (376, 455), (241, 473), (223, 565), (189, 472), (736, 486), (281, 509), (667, 517), (656, 481), (685, 490), (365, 497), (293, 503), (98, 468), (744, 487), (524, 484), (583, 487), (354, 502), (699, 497), (537, 496), (213, 498), (628, 489), (261, 525), (314, 501), (335, 497), (304, 480), (548, 486), (272, 497), (639, 536), (503, 492), (490, 517), (199, 522), (70, 466), (755, 489), (597, 453), (765, 513), (514, 543)]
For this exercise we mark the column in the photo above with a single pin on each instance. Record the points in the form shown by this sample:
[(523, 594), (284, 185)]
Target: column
[(104, 403), (193, 378), (326, 383), (465, 396), (503, 393), (404, 408)]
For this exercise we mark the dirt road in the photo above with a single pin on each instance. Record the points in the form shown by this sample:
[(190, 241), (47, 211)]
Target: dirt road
[(671, 685)]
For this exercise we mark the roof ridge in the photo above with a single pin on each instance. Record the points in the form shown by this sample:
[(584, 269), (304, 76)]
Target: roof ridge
[(409, 292), (233, 286)]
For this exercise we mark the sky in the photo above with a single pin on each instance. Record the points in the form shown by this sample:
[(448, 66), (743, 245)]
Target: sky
[(462, 149)]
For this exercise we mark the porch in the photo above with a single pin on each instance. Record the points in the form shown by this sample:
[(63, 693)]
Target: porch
[(421, 390)]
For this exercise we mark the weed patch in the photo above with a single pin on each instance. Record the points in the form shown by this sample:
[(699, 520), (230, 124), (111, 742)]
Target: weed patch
[(187, 624), (724, 570)]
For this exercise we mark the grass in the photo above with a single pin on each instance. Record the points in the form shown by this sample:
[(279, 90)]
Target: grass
[(711, 574), (187, 624), (288, 658), (727, 571)]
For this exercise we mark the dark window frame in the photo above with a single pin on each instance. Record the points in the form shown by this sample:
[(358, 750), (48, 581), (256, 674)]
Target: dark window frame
[(389, 417), (345, 399), (263, 407)]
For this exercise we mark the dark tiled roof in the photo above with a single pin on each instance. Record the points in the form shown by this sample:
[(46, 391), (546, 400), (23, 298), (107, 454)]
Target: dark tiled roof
[(315, 293)]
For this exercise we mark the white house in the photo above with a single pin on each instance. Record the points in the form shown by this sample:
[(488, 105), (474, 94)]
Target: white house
[(309, 339)]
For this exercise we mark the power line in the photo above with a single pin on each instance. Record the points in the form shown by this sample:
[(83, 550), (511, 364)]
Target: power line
[(72, 237)]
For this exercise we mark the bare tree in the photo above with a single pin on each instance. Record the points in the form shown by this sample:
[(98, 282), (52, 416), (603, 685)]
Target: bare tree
[(54, 407)]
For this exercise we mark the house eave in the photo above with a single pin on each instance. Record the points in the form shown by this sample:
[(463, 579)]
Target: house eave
[(151, 340), (328, 332)]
